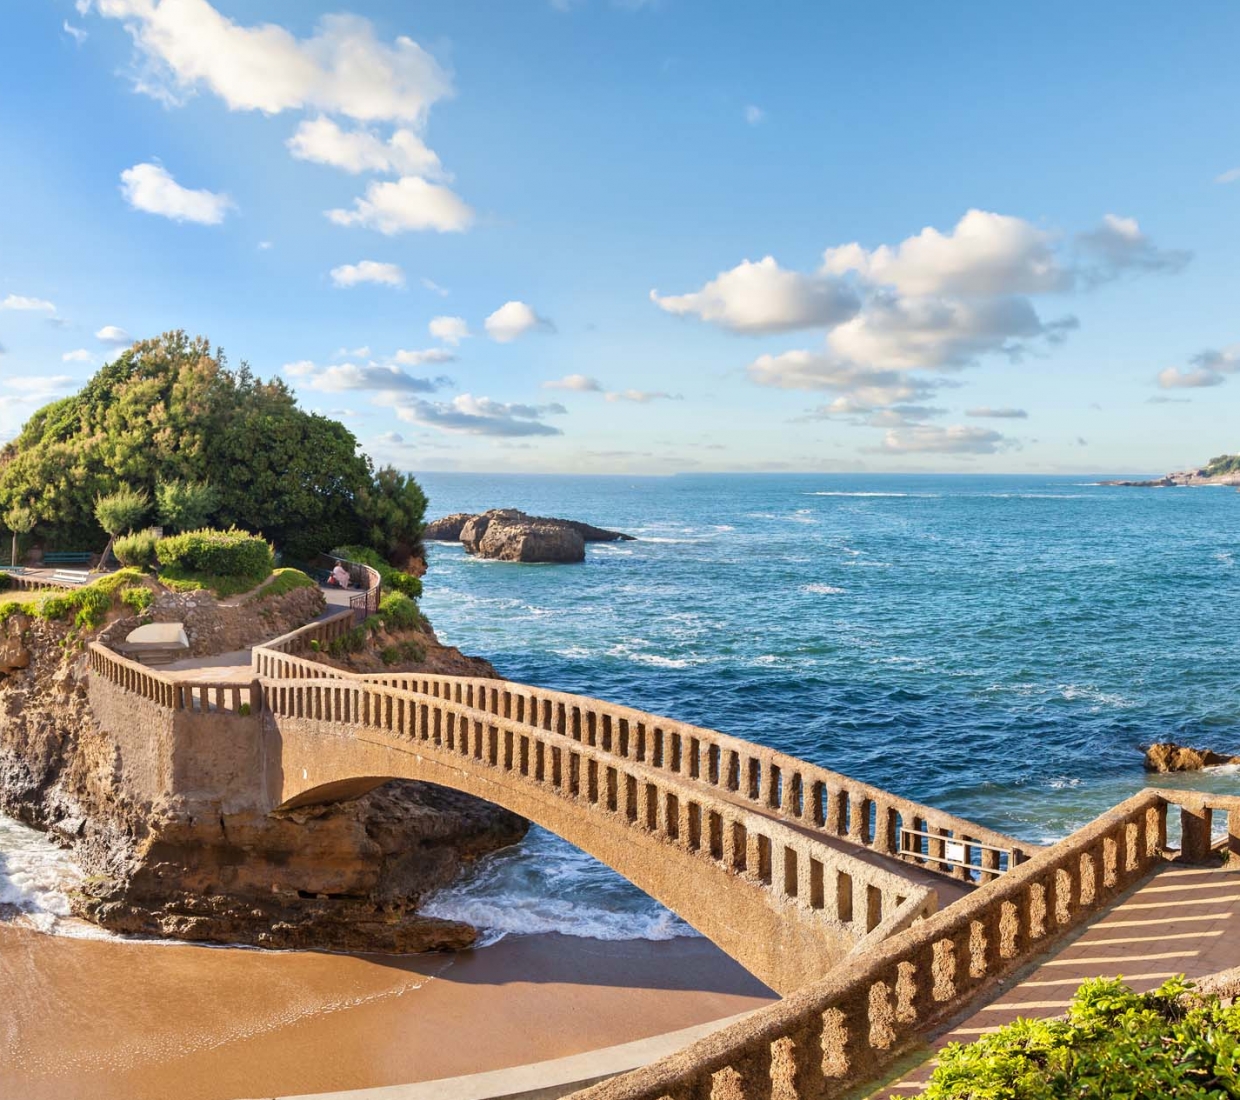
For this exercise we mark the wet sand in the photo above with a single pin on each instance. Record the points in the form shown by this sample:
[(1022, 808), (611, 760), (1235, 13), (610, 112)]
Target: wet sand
[(88, 1019)]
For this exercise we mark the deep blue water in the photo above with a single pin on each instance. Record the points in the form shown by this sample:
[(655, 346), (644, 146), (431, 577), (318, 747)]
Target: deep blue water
[(1000, 647)]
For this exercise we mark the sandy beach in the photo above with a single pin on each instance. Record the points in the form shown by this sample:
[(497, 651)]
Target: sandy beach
[(85, 1019)]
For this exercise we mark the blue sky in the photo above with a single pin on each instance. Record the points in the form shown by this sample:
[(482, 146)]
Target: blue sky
[(680, 235)]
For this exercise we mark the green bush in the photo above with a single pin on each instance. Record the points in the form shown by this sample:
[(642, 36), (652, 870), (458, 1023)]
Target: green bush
[(1114, 1044), (90, 604), (185, 505), (138, 598), (407, 651), (122, 510), (352, 641), (137, 550), (282, 581), (395, 579), (231, 553), (399, 612)]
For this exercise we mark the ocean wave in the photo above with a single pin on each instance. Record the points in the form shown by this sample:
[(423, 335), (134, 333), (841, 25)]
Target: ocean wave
[(546, 885), (36, 879), (841, 493), (822, 589), (1224, 557)]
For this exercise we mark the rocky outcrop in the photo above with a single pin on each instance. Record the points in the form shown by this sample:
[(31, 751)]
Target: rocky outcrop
[(1169, 757), (345, 875), (505, 534)]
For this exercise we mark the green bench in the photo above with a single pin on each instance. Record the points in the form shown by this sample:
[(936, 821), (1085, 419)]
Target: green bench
[(67, 557)]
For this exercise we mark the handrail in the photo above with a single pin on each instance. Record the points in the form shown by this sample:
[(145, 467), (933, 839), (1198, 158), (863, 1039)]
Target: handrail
[(839, 1032), (169, 691)]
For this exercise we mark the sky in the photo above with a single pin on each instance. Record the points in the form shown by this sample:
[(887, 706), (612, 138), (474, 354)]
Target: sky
[(616, 236)]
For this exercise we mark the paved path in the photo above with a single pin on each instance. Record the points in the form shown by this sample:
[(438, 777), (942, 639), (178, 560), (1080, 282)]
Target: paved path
[(1183, 920)]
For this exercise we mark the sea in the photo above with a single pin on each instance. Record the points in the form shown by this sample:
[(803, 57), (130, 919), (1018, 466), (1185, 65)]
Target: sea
[(999, 647)]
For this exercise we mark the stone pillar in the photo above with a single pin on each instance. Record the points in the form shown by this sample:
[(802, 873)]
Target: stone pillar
[(1195, 834)]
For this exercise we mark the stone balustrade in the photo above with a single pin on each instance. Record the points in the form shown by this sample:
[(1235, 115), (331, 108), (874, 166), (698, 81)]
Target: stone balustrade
[(803, 793), (1197, 815), (170, 692), (828, 1038), (834, 897)]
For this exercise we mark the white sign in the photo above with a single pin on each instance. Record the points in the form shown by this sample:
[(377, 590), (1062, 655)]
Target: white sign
[(954, 851)]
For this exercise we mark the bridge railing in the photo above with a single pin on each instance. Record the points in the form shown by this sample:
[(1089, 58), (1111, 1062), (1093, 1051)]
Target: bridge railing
[(844, 1030), (323, 631), (796, 871), (170, 692), (809, 795)]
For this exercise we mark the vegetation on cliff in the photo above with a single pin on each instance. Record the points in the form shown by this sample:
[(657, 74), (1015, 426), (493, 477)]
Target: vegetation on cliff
[(1171, 1043), (169, 422), (1223, 465), (87, 606)]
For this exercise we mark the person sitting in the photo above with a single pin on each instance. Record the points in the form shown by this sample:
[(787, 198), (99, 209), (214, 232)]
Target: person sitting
[(339, 577)]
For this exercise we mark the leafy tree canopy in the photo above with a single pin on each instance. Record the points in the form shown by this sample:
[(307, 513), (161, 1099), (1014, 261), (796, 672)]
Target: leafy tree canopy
[(170, 412)]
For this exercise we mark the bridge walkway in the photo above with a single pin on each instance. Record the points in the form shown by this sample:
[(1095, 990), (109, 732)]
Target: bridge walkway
[(1180, 920)]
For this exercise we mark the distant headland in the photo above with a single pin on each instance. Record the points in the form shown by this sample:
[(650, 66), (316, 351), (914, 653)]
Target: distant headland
[(1223, 470)]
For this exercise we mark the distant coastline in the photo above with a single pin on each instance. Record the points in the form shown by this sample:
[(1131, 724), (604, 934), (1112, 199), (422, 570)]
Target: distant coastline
[(1223, 470)]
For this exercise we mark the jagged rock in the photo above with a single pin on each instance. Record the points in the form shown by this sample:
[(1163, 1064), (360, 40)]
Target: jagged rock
[(506, 534), (1167, 756)]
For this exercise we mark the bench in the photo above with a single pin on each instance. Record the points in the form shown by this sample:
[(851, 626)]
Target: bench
[(16, 570), (70, 576), (68, 557)]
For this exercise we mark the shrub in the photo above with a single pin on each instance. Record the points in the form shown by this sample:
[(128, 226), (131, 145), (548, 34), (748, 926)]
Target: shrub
[(137, 550), (282, 581), (89, 605), (138, 598), (1114, 1044), (396, 579), (402, 651), (399, 612), (122, 510), (352, 641), (231, 553), (185, 505)]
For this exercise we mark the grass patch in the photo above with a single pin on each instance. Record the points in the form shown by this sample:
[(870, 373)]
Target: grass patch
[(88, 605), (282, 582), (180, 579)]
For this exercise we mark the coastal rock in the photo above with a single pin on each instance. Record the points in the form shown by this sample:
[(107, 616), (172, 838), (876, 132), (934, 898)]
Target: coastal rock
[(505, 534), (1167, 756), (340, 876)]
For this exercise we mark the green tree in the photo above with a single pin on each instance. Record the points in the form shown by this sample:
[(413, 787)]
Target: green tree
[(185, 505), (120, 512), (393, 512), (20, 520)]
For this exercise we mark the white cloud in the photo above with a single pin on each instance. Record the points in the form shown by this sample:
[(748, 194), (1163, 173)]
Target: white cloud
[(113, 334), (346, 377), (762, 297), (1118, 247), (404, 205), (368, 271), (987, 413), (643, 397), (451, 330), (36, 389), (806, 370), (933, 439), (875, 416), (514, 319), (265, 246), (353, 353), (323, 141), (32, 305), (985, 255), (469, 415), (754, 115), (79, 356), (1230, 176), (1208, 368), (149, 187), (421, 358), (434, 287), (342, 68), (577, 383), (76, 33)]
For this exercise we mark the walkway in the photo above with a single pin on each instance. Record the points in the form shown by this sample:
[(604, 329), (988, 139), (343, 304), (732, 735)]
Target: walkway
[(1182, 920)]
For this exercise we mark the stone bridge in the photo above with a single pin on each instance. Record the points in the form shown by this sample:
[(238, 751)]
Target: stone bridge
[(784, 865)]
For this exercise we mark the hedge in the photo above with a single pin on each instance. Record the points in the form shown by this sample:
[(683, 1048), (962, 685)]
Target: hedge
[(137, 549), (231, 553)]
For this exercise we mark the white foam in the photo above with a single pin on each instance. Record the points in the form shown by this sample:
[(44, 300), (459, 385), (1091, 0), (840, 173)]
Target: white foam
[(822, 589)]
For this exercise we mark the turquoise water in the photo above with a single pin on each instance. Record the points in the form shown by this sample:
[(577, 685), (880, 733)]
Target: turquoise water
[(1000, 647)]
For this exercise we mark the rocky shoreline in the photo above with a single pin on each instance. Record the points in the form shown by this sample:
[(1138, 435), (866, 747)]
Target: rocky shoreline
[(341, 876), (506, 534)]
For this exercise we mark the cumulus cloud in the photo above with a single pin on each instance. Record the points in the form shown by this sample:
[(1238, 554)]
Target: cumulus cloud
[(346, 377), (1206, 368), (985, 412), (934, 439), (421, 358), (409, 204), (323, 141), (643, 397), (854, 411), (762, 297), (451, 330), (114, 335), (986, 254), (469, 415), (368, 271), (27, 305), (149, 187), (37, 389), (807, 370), (1119, 247), (512, 320), (578, 383), (342, 68), (81, 355)]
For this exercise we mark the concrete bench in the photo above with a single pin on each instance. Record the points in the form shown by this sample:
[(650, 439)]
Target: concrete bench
[(70, 576), (67, 557)]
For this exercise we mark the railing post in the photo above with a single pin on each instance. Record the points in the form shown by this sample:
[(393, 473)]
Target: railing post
[(1195, 834)]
